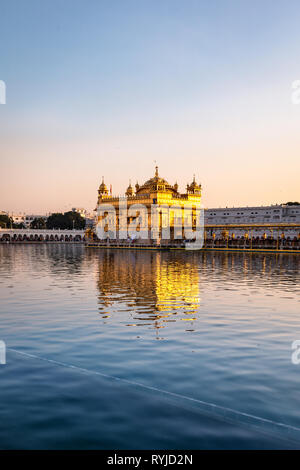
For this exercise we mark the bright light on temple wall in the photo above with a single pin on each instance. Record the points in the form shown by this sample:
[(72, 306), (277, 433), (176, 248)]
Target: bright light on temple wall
[(135, 222), (155, 210)]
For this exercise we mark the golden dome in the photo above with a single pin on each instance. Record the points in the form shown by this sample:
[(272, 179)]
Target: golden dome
[(102, 188), (155, 184)]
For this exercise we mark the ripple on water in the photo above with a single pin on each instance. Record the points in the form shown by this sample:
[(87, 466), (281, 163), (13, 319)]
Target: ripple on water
[(215, 327)]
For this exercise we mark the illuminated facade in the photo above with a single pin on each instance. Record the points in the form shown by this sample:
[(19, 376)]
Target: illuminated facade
[(155, 192)]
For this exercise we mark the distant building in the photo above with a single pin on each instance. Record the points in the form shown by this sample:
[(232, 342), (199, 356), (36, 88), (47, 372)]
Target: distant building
[(80, 211), (279, 213), (90, 218), (25, 219), (17, 218), (30, 218), (264, 220)]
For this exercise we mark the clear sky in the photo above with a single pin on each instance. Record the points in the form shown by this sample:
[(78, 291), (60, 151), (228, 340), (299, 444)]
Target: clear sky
[(105, 87)]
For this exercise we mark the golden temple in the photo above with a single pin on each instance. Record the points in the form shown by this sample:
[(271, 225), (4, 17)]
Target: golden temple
[(154, 192)]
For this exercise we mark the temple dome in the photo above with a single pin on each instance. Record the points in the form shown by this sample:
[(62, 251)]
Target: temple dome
[(156, 184), (102, 188)]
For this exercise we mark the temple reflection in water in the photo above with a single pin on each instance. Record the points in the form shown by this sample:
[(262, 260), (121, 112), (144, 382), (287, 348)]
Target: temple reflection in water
[(154, 288), (151, 289)]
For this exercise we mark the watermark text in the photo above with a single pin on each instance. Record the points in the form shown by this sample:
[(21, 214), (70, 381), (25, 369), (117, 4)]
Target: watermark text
[(2, 352), (2, 92), (295, 95)]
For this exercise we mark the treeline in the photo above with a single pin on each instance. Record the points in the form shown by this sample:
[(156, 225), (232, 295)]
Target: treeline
[(67, 221), (7, 222)]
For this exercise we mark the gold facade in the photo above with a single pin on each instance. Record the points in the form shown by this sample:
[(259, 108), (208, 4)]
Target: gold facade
[(155, 192)]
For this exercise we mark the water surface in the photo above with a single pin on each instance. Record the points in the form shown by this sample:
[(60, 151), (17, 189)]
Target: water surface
[(200, 341)]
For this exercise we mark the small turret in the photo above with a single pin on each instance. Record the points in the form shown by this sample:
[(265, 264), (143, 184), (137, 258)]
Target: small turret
[(102, 188), (194, 188), (129, 191)]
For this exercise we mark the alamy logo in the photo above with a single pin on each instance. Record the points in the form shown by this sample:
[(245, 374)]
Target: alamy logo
[(2, 352), (296, 354), (138, 222), (2, 92), (295, 96)]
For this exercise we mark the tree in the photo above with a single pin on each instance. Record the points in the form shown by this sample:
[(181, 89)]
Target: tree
[(5, 221), (292, 203), (38, 222), (68, 220), (55, 221), (75, 220), (20, 225)]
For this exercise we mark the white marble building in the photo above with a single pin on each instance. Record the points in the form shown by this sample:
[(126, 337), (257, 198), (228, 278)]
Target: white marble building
[(256, 215)]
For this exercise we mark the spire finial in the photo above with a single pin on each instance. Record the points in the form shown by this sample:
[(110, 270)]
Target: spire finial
[(194, 178), (156, 171)]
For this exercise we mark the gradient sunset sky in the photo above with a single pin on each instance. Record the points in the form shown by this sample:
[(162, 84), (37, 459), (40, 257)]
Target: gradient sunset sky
[(106, 87)]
